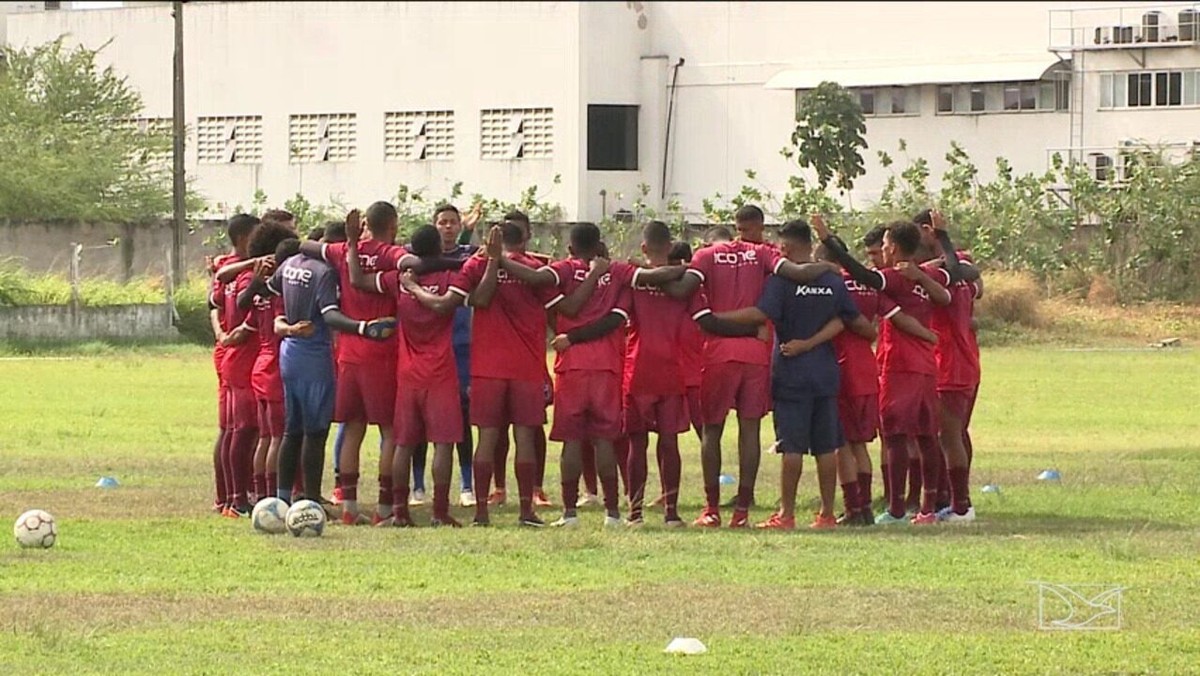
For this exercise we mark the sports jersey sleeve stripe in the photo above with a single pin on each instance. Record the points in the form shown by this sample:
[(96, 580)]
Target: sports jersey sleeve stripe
[(554, 301), (701, 313), (633, 280), (327, 308), (778, 264), (892, 313), (325, 252), (557, 279), (379, 282), (271, 287), (696, 272), (459, 291), (621, 312)]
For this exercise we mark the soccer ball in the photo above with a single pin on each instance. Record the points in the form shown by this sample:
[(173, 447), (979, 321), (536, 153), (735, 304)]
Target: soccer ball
[(269, 516), (305, 519), (35, 528)]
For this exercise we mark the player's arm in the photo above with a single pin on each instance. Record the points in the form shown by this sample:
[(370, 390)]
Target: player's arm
[(803, 273), (862, 274), (909, 324), (660, 276), (358, 279), (682, 288), (301, 329), (590, 332), (939, 294), (801, 345), (746, 315), (978, 287), (572, 304), (539, 277), (482, 296), (717, 326), (442, 304), (863, 328), (424, 266), (375, 329), (229, 272), (263, 268), (214, 319), (955, 270), (239, 335)]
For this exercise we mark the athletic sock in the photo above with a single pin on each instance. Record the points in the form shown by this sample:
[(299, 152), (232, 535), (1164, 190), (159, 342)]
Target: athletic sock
[(350, 489), (499, 464), (883, 475), (525, 473), (570, 495), (539, 450), (260, 485), (712, 496), (745, 496), (441, 501), (219, 470), (400, 502), (669, 463), (896, 449), (621, 451), (850, 498), (864, 490), (272, 483), (289, 463), (312, 459), (483, 471), (932, 462), (960, 489), (637, 471), (612, 496), (385, 495), (242, 452), (916, 480), (588, 454)]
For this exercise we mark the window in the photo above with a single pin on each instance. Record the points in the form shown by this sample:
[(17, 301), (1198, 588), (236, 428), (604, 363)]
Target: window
[(883, 101), (612, 138), (1143, 89), (418, 135), (516, 133), (322, 138), (162, 127), (981, 97), (229, 140)]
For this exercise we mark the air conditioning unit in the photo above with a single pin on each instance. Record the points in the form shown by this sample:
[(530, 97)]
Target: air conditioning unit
[(1151, 23), (1099, 166), (1103, 35), (1123, 35), (1189, 25)]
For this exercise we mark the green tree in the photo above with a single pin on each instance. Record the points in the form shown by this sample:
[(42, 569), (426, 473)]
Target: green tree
[(829, 136), (71, 144)]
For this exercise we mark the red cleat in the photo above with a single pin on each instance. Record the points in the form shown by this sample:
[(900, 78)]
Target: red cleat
[(352, 519), (444, 520), (336, 498), (540, 499), (497, 498), (741, 519), (924, 519), (823, 523), (709, 518), (778, 521)]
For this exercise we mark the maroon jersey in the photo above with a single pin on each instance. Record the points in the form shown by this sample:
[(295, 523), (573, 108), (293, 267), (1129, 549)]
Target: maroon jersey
[(856, 359), (425, 353), (733, 274), (901, 352), (508, 338), (611, 294), (374, 256), (691, 349), (264, 378), (216, 298), (957, 351), (238, 363), (654, 362)]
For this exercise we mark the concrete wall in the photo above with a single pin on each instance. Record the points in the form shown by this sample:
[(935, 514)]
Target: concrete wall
[(63, 323)]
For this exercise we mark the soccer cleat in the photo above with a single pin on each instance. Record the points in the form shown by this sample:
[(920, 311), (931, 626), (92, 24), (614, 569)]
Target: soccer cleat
[(709, 518), (924, 519), (218, 507), (941, 513), (531, 521), (675, 523), (478, 522), (336, 498), (866, 517), (611, 521), (823, 523), (353, 519), (849, 519), (467, 499), (444, 520), (566, 522), (740, 519), (540, 499), (417, 498), (378, 518), (635, 521), (955, 517), (886, 519), (587, 499), (778, 521), (393, 522), (498, 497)]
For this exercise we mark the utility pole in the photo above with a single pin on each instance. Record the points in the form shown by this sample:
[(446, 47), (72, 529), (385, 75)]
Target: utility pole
[(179, 129)]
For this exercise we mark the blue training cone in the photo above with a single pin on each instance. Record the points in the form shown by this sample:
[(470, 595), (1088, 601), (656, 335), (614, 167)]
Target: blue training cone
[(107, 482), (1049, 475)]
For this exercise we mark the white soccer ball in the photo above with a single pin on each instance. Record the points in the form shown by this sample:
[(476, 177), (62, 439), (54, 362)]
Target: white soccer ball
[(270, 516), (35, 528), (305, 519)]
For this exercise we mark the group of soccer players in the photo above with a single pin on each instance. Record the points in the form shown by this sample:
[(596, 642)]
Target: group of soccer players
[(427, 340)]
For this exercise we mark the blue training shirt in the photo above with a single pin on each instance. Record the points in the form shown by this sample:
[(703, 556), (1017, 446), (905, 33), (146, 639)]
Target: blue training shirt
[(800, 311), (309, 288)]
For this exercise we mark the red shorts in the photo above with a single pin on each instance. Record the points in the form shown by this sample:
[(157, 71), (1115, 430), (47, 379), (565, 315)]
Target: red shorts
[(695, 410), (860, 417), (433, 414), (587, 406), (365, 392), (497, 402), (734, 385), (959, 403), (908, 405), (243, 409), (661, 413), (270, 418)]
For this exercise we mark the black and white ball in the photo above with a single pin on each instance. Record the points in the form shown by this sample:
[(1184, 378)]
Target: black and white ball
[(35, 529), (305, 519)]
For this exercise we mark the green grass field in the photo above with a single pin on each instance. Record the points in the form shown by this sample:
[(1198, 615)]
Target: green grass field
[(145, 579)]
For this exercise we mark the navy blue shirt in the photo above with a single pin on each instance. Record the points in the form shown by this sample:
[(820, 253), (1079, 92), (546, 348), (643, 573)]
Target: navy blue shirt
[(799, 311), (309, 287)]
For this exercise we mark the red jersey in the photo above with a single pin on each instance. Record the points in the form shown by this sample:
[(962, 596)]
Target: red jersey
[(264, 378), (239, 359), (611, 294), (733, 274), (654, 363), (691, 351), (957, 352), (508, 338), (374, 256), (425, 354), (856, 359), (901, 352), (216, 298)]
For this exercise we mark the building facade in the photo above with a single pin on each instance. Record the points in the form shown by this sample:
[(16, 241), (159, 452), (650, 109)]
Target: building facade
[(597, 102)]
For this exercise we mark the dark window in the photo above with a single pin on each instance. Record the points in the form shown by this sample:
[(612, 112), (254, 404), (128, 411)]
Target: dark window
[(1174, 88), (1029, 92), (1140, 89), (53, 5), (978, 100), (1160, 89), (866, 100), (1012, 97), (945, 99), (612, 138)]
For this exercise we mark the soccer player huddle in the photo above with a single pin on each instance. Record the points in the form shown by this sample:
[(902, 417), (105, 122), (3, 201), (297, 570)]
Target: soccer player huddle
[(429, 339)]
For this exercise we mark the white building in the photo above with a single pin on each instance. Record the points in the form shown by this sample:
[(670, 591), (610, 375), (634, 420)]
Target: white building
[(348, 100)]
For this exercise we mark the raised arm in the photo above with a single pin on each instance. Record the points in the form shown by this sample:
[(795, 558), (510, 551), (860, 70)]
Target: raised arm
[(229, 272), (939, 294), (257, 285), (482, 296), (358, 279), (861, 274), (570, 306), (956, 270), (909, 324), (442, 304)]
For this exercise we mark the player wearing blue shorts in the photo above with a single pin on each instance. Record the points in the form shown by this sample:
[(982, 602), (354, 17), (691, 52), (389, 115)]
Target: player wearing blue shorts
[(309, 288)]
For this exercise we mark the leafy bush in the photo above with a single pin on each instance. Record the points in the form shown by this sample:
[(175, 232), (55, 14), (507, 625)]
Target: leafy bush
[(191, 304)]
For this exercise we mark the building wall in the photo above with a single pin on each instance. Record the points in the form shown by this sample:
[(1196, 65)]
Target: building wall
[(64, 323)]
